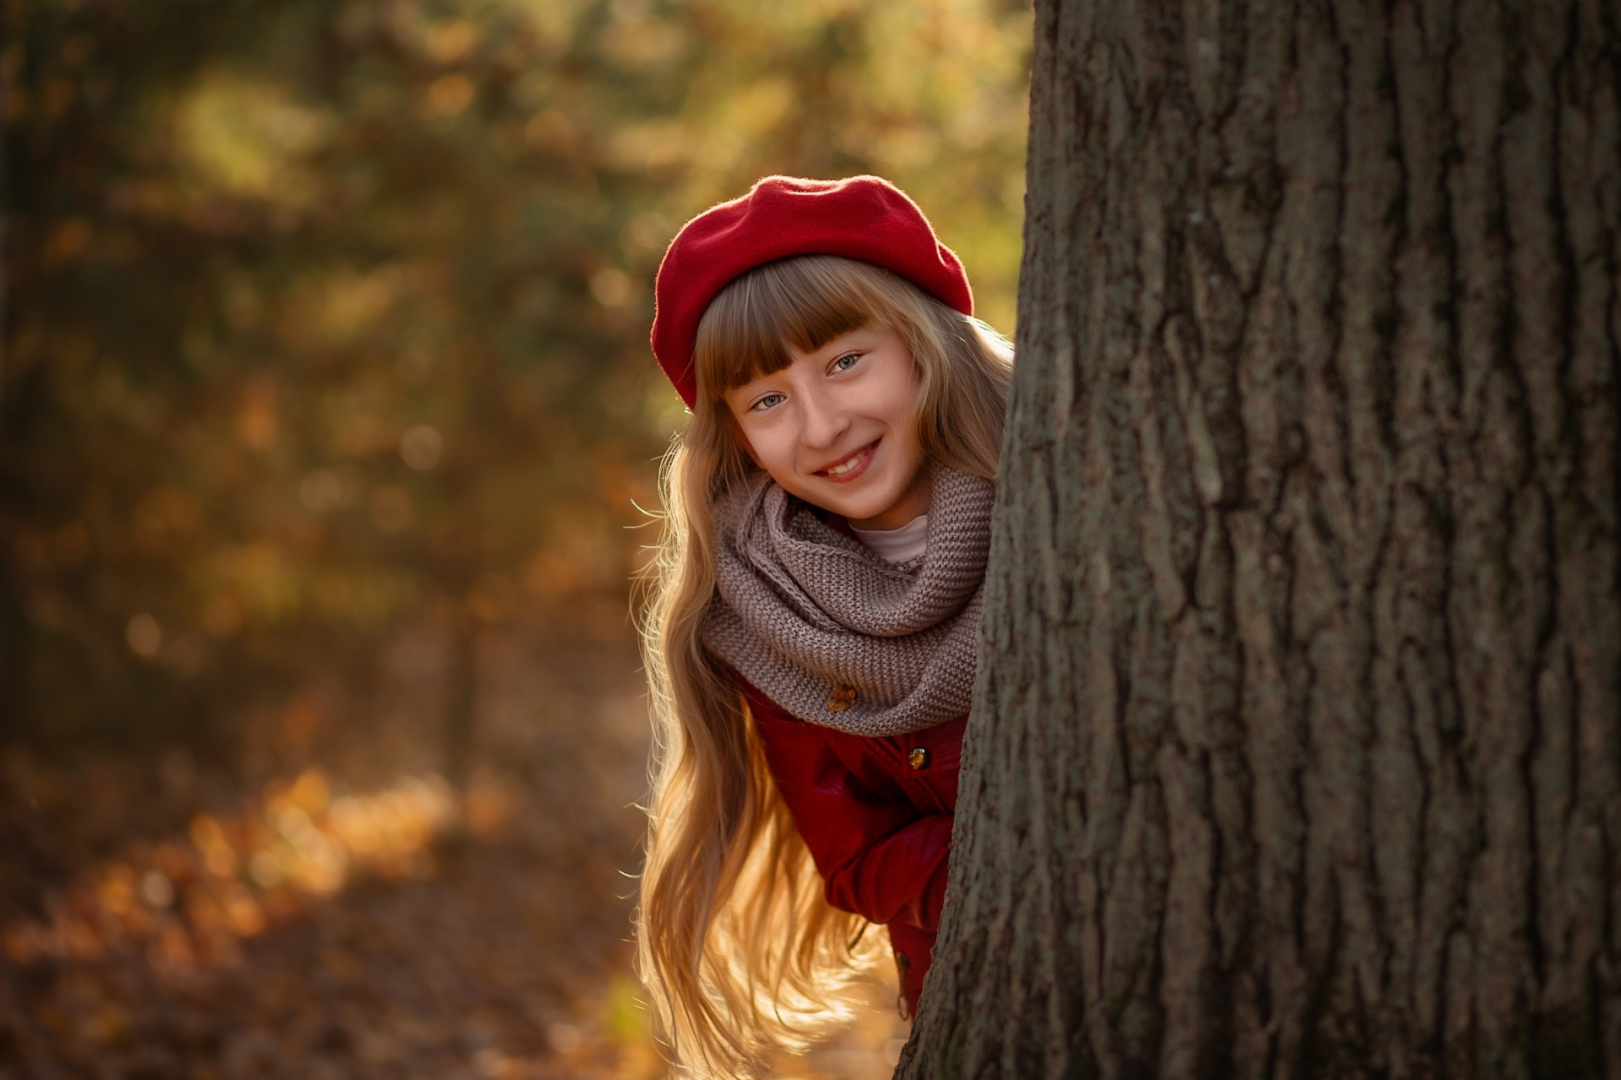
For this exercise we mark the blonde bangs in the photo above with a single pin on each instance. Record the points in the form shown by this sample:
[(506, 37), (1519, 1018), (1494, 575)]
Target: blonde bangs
[(802, 302)]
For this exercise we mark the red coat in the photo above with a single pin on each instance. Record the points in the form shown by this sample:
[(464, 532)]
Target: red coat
[(876, 814)]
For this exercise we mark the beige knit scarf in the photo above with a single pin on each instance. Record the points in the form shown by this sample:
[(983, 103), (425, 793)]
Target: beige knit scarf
[(831, 632)]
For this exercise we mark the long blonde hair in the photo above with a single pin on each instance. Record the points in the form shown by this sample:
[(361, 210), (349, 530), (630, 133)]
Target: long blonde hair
[(738, 948)]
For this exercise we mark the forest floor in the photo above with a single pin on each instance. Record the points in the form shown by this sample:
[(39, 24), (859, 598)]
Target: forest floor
[(331, 908)]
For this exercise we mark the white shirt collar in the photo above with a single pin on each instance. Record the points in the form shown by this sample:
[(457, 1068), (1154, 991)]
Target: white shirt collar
[(900, 545)]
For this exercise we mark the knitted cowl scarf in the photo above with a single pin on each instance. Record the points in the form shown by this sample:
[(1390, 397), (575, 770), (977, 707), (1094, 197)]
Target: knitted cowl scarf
[(831, 632)]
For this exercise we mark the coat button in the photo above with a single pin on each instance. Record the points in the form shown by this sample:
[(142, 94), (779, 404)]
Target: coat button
[(841, 698), (918, 758)]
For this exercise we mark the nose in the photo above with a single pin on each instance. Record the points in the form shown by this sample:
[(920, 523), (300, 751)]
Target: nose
[(824, 421)]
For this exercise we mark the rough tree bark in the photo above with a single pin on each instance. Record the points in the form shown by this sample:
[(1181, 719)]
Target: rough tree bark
[(1296, 749)]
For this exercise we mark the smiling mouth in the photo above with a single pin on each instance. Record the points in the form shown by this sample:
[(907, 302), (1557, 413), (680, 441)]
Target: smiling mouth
[(852, 466)]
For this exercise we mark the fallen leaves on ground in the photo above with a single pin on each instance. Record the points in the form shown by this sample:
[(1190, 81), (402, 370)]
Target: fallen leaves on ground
[(312, 928)]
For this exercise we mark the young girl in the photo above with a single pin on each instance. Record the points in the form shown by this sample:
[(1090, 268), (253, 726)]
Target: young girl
[(811, 638)]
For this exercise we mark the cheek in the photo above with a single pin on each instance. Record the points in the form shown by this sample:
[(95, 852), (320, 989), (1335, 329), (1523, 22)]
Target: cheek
[(750, 442), (768, 449), (744, 443), (900, 392), (902, 413)]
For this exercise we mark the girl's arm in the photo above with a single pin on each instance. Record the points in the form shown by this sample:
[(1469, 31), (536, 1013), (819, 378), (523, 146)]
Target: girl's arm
[(879, 855)]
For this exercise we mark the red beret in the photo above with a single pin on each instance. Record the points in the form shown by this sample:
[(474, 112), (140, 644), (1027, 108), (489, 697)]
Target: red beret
[(863, 218)]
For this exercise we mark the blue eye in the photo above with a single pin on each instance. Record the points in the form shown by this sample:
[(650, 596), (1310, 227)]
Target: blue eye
[(766, 402), (846, 362)]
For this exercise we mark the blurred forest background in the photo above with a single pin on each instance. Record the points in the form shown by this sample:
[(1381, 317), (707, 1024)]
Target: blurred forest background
[(328, 441)]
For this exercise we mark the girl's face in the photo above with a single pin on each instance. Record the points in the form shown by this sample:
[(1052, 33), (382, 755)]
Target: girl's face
[(838, 428)]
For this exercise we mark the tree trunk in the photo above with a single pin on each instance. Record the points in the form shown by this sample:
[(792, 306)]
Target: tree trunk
[(1296, 748)]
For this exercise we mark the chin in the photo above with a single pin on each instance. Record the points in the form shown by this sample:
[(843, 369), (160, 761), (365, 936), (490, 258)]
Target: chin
[(861, 509)]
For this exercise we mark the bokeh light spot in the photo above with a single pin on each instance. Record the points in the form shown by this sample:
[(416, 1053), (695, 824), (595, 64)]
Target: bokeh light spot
[(145, 635), (448, 96), (156, 889), (449, 40), (421, 446), (612, 288)]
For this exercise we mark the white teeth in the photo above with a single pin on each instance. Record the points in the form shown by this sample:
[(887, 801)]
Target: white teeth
[(846, 465), (855, 460)]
